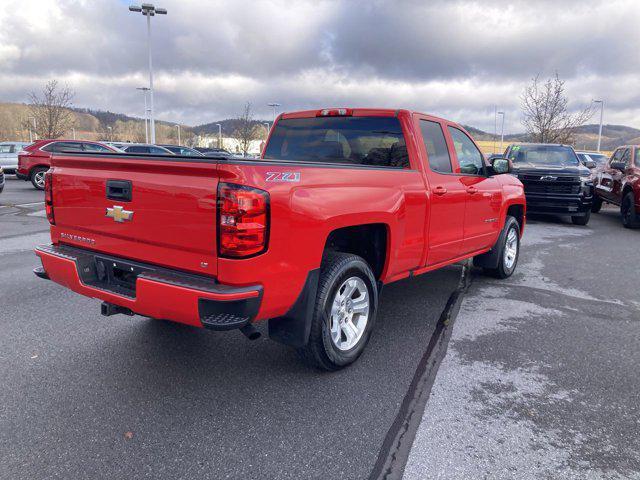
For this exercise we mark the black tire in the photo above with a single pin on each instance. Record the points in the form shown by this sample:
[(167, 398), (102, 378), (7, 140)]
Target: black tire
[(596, 206), (581, 219), (320, 351), (630, 218), (35, 176), (503, 270)]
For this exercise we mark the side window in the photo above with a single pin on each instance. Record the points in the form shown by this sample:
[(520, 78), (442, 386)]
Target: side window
[(436, 145), (61, 147), (6, 148), (626, 157), (469, 157), (94, 147), (157, 151), (637, 155), (137, 149)]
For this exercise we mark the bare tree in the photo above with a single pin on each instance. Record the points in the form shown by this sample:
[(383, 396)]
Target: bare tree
[(246, 131), (51, 110), (546, 117)]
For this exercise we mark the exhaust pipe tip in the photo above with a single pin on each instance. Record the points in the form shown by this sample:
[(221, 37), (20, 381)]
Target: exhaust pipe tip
[(250, 332)]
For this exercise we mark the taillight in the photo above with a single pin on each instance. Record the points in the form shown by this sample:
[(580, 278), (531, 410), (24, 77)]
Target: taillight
[(48, 196), (243, 220)]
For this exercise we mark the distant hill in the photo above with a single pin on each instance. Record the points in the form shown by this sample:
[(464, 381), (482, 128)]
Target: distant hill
[(94, 125), (586, 136), (228, 126)]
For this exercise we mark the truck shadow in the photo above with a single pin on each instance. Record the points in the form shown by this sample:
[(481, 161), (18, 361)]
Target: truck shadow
[(210, 397)]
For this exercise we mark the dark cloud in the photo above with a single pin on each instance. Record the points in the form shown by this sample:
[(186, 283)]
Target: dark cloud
[(452, 58)]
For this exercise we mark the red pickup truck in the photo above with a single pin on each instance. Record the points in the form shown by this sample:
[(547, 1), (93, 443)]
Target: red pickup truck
[(618, 182), (342, 202)]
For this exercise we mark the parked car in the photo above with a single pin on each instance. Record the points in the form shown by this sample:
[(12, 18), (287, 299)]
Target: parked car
[(342, 202), (180, 150), (35, 159), (145, 148), (1, 179), (216, 152), (555, 182), (9, 155), (618, 183), (592, 160)]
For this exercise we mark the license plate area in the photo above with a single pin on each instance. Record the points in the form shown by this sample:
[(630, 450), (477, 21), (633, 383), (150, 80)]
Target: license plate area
[(117, 275)]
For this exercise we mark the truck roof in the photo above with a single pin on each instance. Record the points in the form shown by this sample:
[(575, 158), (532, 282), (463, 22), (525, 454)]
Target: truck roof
[(356, 112)]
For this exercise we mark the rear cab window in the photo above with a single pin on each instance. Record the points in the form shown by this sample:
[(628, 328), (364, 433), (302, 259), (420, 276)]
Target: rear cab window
[(363, 141)]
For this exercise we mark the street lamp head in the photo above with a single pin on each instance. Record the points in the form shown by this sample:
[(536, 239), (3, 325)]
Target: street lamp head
[(273, 104), (148, 9), (135, 8), (161, 11)]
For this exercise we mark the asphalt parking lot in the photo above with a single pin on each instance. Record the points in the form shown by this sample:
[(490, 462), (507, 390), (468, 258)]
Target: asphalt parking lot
[(538, 380)]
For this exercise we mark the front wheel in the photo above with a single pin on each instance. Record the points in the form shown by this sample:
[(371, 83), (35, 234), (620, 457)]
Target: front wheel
[(508, 246), (630, 219), (581, 219), (596, 206), (37, 177), (344, 312)]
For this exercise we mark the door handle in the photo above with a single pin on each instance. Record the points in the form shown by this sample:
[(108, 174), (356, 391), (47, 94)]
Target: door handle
[(439, 190), (472, 190)]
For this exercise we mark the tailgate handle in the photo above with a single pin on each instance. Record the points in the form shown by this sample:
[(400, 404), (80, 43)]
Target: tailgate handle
[(119, 190)]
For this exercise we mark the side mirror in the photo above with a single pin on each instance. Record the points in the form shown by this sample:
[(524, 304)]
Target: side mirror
[(590, 164), (500, 165), (622, 166)]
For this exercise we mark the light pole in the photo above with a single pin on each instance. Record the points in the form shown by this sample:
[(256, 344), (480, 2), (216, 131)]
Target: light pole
[(274, 106), (149, 10), (495, 127), (268, 127), (178, 127), (601, 102), (73, 130), (35, 129), (146, 113), (219, 135), (501, 131), (110, 134)]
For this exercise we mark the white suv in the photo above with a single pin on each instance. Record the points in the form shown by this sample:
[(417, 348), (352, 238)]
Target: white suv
[(9, 155)]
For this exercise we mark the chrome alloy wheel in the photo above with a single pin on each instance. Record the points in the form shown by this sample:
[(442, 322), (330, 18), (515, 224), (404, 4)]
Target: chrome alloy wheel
[(349, 313), (511, 249), (38, 178)]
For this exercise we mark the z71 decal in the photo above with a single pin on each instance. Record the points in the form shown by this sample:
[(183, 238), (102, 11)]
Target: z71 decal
[(282, 177)]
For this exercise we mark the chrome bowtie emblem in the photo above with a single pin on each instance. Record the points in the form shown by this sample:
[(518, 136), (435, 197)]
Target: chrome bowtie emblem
[(119, 214), (548, 178)]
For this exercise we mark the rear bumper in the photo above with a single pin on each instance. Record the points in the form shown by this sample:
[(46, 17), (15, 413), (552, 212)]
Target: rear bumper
[(155, 292)]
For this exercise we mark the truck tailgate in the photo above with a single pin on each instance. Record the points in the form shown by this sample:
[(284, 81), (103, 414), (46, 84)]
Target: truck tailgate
[(169, 212)]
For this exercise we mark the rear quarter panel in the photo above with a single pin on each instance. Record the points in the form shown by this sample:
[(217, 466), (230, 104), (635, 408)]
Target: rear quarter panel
[(305, 212)]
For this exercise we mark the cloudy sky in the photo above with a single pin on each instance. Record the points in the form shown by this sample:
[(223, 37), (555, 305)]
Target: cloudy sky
[(452, 58)]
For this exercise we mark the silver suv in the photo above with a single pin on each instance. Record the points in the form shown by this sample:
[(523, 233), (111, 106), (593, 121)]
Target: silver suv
[(9, 155)]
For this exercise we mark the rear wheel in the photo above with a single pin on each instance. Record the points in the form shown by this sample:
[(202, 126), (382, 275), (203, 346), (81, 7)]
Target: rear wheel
[(344, 313), (630, 218), (37, 177), (582, 219), (596, 206), (508, 246)]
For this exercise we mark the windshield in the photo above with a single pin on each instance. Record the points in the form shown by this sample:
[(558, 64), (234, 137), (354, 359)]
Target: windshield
[(543, 155), (598, 158), (374, 141)]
